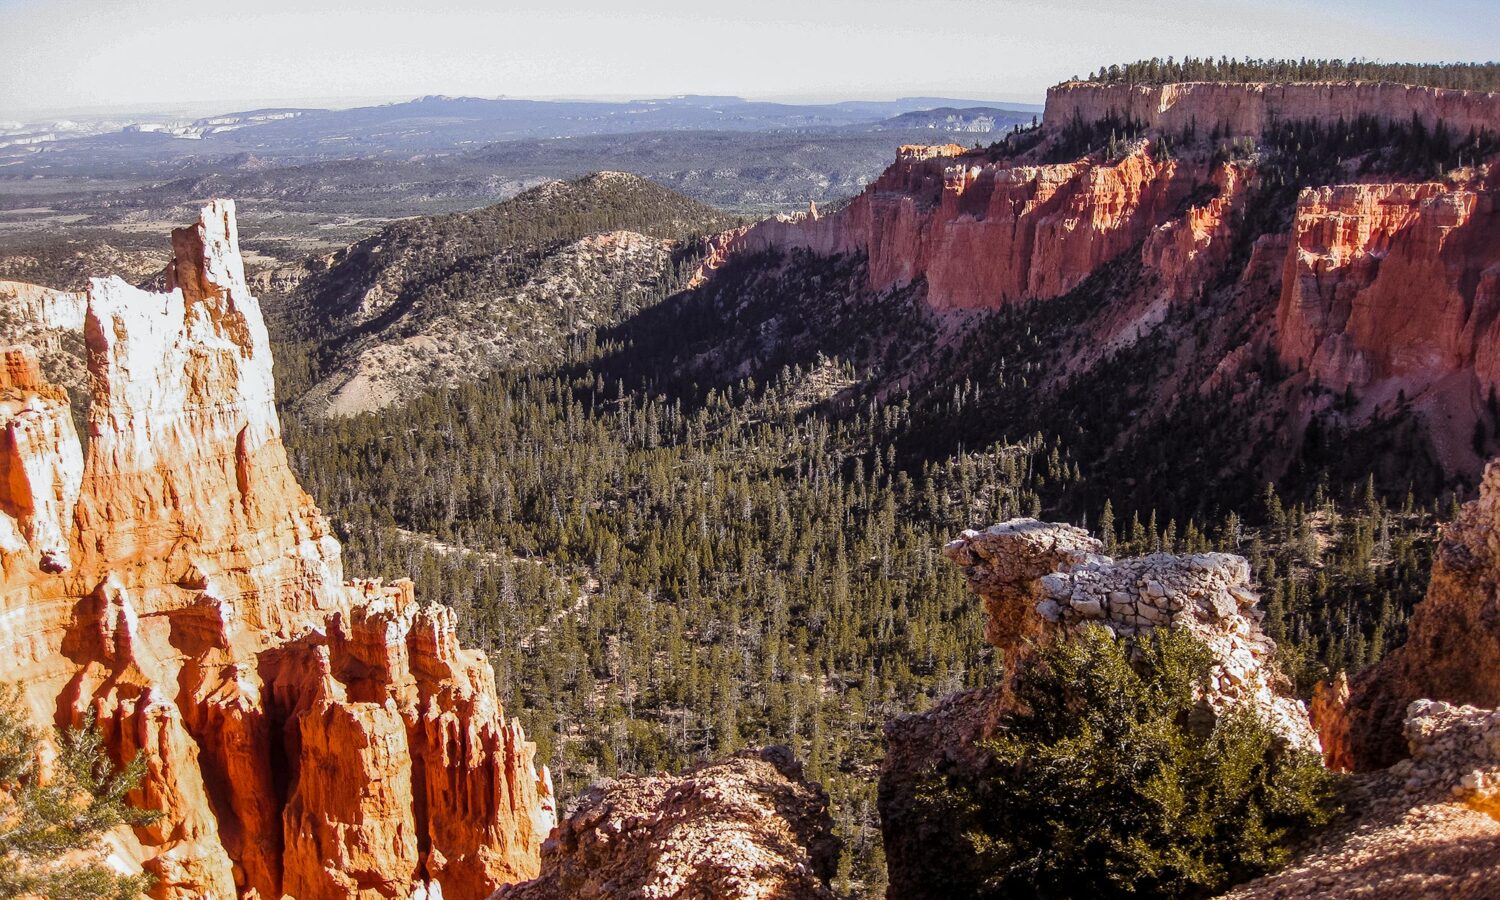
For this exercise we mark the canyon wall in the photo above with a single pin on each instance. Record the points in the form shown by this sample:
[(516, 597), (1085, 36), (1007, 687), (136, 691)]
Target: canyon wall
[(1246, 109), (1377, 281), (303, 736), (1389, 286), (1452, 640), (988, 233), (1393, 280)]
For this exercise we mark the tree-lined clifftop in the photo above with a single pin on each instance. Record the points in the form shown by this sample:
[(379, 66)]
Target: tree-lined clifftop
[(1477, 76), (1274, 263)]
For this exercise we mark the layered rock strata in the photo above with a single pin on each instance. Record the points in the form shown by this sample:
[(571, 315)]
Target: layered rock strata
[(1453, 637), (51, 322), (1396, 282), (303, 736), (1039, 582), (985, 234), (1246, 109), (1386, 286), (747, 828), (1393, 281), (38, 307)]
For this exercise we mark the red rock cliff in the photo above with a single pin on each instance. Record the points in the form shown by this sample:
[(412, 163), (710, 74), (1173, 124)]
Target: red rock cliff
[(1385, 286), (1394, 280), (304, 737), (1246, 109), (985, 234)]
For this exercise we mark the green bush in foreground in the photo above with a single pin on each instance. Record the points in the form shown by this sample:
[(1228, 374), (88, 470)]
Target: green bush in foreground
[(50, 830), (1111, 784)]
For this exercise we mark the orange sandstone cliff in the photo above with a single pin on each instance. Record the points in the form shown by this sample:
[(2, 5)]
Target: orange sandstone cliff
[(1453, 639), (1393, 281), (303, 736), (984, 233), (1389, 286)]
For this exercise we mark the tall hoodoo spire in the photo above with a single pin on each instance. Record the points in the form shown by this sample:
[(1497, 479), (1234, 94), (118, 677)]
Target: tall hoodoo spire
[(176, 581)]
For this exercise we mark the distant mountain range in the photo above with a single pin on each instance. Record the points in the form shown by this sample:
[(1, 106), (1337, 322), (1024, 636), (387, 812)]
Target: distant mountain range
[(333, 176), (436, 123)]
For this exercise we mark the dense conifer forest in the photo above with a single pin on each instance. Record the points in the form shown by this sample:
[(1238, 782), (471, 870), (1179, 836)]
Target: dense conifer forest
[(719, 521), (660, 580)]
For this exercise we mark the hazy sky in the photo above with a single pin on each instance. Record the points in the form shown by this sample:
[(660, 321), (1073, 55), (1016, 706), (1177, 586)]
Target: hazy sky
[(62, 54)]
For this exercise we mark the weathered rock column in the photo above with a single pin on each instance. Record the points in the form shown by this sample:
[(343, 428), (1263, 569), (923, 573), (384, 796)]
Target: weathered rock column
[(1041, 582)]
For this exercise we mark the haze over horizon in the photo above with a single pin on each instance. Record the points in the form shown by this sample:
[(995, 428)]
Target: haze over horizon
[(196, 109), (317, 52)]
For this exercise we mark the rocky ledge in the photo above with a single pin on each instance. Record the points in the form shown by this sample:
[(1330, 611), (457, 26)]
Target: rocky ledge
[(746, 828), (1453, 639), (1427, 827)]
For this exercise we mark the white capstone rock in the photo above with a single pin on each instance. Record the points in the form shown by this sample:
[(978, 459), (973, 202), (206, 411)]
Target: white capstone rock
[(1209, 594)]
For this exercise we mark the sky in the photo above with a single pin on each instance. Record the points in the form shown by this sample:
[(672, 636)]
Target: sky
[(94, 55)]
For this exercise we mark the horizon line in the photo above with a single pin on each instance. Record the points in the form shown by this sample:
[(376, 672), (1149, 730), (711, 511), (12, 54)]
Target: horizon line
[(334, 103)]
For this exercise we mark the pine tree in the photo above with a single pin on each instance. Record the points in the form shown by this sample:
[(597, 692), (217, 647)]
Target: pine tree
[(51, 827), (1107, 528)]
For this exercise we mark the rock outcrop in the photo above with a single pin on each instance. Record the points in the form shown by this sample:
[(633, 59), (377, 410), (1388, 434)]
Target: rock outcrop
[(1428, 827), (1040, 581), (1246, 109), (303, 736), (51, 322), (1329, 713), (40, 307), (746, 828), (1453, 638)]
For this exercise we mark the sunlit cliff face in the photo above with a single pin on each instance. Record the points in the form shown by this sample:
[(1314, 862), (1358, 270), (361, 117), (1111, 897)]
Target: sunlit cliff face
[(303, 735)]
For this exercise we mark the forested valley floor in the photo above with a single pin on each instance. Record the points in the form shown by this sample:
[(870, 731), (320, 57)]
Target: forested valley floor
[(667, 563)]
